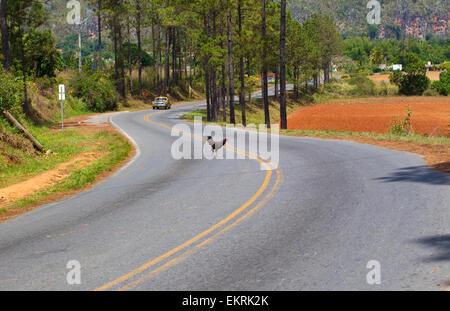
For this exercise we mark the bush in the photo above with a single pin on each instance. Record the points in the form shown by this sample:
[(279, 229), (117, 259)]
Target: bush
[(443, 85), (42, 57), (386, 89), (11, 92), (414, 84), (396, 77), (362, 86), (431, 92), (446, 66), (403, 126), (97, 90)]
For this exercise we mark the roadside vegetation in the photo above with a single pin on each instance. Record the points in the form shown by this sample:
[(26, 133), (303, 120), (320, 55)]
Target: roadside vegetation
[(111, 149)]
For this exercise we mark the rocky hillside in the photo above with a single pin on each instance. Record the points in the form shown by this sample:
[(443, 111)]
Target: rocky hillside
[(412, 17), (57, 20)]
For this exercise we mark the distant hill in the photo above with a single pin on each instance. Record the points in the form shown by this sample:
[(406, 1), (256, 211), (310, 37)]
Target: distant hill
[(57, 19), (418, 18)]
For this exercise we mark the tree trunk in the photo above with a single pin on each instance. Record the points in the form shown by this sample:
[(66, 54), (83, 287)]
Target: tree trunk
[(174, 60), (116, 70), (99, 23), (158, 56), (241, 69), (185, 62), (16, 123), (326, 73), (26, 105), (207, 77), (283, 112), (208, 91), (167, 62), (223, 91), (190, 68), (265, 87), (139, 42), (214, 78), (276, 84), (295, 83), (5, 35), (80, 61), (214, 96), (130, 65), (231, 70), (121, 64), (155, 82)]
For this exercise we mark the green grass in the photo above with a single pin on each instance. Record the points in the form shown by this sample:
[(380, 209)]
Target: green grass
[(114, 149), (65, 145), (376, 136)]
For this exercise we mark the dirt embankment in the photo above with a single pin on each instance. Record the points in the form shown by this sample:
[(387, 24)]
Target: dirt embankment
[(44, 180)]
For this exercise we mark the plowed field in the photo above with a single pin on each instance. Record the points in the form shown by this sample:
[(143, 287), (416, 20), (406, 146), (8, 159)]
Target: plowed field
[(430, 115)]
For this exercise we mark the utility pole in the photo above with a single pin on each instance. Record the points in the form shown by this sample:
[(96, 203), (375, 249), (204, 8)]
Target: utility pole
[(80, 64)]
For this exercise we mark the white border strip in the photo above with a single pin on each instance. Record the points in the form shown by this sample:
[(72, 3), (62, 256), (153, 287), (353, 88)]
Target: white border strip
[(136, 146)]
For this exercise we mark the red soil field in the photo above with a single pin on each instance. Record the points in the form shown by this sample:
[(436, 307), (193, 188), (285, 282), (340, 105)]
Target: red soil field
[(430, 115), (432, 75)]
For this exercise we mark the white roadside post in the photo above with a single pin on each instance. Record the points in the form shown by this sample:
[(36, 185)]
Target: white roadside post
[(62, 98)]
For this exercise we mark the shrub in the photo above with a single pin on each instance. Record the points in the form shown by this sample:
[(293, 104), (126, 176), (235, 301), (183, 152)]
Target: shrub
[(386, 89), (97, 90), (446, 66), (42, 57), (414, 84), (76, 104), (396, 77), (443, 85), (403, 127), (11, 92), (431, 92), (362, 86)]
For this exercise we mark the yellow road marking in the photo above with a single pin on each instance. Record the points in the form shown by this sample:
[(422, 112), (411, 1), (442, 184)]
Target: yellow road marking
[(204, 233), (206, 242)]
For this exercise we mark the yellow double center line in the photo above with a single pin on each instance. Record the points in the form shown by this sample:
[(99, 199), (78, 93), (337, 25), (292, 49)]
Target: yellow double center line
[(224, 225)]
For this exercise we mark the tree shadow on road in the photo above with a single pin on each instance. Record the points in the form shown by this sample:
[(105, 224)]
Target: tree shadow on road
[(419, 174), (441, 245)]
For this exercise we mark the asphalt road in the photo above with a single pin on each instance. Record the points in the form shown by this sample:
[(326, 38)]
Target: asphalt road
[(312, 224)]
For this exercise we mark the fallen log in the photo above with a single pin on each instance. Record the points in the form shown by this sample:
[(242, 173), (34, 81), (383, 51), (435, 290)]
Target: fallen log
[(27, 134)]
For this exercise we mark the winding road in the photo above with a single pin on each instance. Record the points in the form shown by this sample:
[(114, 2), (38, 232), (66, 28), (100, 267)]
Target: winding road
[(312, 224)]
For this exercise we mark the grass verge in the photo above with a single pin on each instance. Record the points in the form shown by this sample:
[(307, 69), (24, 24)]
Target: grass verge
[(114, 150)]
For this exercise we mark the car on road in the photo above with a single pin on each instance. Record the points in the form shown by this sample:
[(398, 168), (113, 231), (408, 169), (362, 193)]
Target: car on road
[(162, 103)]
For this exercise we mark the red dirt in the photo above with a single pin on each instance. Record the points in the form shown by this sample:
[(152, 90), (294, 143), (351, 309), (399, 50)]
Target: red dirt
[(430, 115), (432, 75)]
